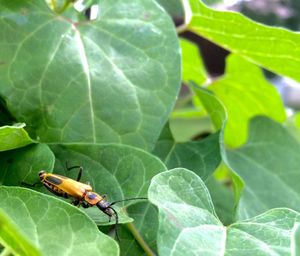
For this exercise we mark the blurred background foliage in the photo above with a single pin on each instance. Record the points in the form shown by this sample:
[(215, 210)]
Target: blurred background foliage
[(188, 111)]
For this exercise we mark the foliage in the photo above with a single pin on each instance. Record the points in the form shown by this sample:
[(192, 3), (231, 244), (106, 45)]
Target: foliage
[(100, 94)]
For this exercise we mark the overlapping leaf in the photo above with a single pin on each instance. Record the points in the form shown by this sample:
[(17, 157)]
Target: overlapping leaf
[(23, 165), (52, 226), (187, 222), (192, 65), (245, 81), (201, 156), (269, 163), (13, 240), (273, 48), (110, 80), (14, 136)]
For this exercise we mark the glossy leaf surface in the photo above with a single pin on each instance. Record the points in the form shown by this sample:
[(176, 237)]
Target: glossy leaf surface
[(273, 48), (201, 156), (110, 80), (14, 136), (39, 217), (187, 222)]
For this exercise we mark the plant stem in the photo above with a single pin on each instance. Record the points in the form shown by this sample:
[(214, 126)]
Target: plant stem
[(65, 6), (53, 3), (6, 252), (139, 239)]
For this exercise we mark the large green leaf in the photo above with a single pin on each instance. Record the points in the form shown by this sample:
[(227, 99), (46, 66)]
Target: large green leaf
[(269, 163), (23, 165), (119, 171), (14, 136), (111, 80), (187, 222), (273, 48), (13, 240), (53, 226), (201, 156), (245, 81)]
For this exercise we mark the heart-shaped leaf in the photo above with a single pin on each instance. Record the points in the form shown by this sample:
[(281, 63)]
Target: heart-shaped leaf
[(53, 226), (120, 75), (187, 222)]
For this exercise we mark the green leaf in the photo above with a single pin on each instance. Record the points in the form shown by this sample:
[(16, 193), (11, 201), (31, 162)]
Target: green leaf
[(110, 80), (187, 222), (192, 64), (23, 165), (245, 81), (119, 171), (14, 136), (201, 156), (272, 48), (173, 7), (146, 222), (223, 200), (269, 161), (13, 239), (53, 226)]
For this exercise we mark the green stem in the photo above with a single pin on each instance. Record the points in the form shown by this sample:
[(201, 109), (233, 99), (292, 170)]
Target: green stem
[(53, 3), (65, 6), (6, 252), (132, 228)]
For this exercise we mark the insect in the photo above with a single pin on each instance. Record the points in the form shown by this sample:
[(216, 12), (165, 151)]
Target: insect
[(82, 194)]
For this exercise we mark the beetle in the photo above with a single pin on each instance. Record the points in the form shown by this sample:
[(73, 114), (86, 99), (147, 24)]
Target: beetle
[(82, 194)]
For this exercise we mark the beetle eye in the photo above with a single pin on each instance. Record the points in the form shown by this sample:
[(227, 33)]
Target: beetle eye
[(91, 196)]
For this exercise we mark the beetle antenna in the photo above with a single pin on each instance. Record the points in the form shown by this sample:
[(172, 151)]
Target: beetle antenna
[(116, 224), (129, 199)]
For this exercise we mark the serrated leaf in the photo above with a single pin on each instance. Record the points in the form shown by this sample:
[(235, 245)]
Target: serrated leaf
[(201, 156), (245, 81), (192, 64), (53, 226), (14, 136), (272, 48), (120, 74), (13, 239), (269, 161), (187, 222), (23, 165)]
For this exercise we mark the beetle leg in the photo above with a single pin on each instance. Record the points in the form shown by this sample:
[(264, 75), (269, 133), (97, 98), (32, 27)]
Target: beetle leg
[(30, 185), (74, 167), (85, 205), (75, 202)]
